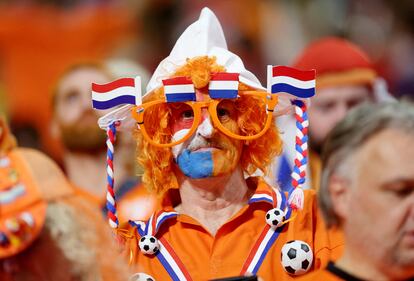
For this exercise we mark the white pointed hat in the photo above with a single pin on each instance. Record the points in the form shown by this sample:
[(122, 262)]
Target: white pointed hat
[(204, 37)]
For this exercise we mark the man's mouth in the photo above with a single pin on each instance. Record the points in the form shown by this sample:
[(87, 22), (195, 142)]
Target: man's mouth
[(204, 148)]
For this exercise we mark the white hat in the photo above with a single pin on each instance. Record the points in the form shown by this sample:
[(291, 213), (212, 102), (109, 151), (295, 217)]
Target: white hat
[(204, 37)]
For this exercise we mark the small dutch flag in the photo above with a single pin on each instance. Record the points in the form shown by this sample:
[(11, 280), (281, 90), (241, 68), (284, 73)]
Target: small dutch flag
[(121, 91), (291, 80), (224, 85), (179, 89)]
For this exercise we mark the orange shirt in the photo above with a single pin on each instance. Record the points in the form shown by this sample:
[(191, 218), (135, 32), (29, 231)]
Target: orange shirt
[(207, 257), (315, 166), (321, 275)]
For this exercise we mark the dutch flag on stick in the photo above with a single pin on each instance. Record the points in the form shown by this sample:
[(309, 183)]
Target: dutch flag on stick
[(224, 85), (121, 91), (291, 80), (179, 89)]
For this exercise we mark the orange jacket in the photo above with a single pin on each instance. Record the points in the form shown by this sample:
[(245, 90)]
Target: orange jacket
[(207, 257), (321, 275)]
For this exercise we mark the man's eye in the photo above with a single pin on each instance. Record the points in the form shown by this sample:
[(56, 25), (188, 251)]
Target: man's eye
[(221, 112), (71, 96), (404, 192), (325, 107), (187, 114)]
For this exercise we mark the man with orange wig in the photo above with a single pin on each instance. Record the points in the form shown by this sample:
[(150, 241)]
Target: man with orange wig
[(203, 127)]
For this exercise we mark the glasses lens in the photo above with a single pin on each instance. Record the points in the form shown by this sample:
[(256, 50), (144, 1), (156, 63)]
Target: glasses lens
[(168, 122), (244, 116)]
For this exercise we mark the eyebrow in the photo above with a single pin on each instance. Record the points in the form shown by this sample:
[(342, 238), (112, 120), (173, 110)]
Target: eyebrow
[(399, 181)]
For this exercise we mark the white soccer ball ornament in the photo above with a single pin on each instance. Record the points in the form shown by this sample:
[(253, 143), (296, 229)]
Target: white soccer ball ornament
[(141, 277), (149, 244), (297, 257), (275, 217)]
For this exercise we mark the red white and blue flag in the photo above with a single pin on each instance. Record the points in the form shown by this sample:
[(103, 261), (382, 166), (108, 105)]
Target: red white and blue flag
[(224, 85), (291, 80), (121, 91), (179, 89)]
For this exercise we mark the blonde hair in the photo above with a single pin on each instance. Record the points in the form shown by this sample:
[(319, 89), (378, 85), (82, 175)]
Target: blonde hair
[(159, 175)]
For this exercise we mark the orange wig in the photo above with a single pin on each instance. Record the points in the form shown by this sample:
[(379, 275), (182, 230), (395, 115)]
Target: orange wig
[(158, 164)]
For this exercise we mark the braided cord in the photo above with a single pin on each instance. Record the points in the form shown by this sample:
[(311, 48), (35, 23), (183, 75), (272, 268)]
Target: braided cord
[(301, 147), (110, 194)]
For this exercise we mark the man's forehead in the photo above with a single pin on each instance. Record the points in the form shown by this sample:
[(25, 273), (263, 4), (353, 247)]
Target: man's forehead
[(202, 94), (387, 153), (342, 93), (82, 77)]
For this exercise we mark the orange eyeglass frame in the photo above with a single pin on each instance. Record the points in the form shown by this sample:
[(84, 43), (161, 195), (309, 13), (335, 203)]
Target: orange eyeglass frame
[(270, 100)]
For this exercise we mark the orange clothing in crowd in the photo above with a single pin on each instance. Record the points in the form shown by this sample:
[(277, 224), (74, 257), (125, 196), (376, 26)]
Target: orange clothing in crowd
[(22, 208), (137, 204), (207, 257), (34, 197), (38, 43)]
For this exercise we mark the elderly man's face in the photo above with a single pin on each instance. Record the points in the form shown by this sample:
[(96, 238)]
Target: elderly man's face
[(208, 152), (379, 221), (74, 116), (329, 106)]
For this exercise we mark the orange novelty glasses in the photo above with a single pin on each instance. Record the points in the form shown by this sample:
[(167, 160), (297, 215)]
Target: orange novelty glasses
[(166, 124)]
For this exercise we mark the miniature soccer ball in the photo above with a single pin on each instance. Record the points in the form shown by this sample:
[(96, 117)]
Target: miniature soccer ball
[(141, 277), (149, 244), (275, 217), (297, 257)]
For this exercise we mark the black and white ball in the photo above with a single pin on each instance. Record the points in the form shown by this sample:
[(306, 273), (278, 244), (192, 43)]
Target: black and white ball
[(297, 257), (149, 244), (275, 217), (141, 277)]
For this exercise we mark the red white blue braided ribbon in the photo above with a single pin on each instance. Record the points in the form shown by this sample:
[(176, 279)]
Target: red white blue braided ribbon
[(110, 194), (301, 156)]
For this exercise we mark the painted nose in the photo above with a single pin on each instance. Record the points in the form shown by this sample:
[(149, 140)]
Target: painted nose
[(205, 129)]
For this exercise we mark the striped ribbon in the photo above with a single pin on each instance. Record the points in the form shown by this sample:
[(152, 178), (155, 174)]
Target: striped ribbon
[(175, 267), (265, 241), (166, 254), (110, 194), (152, 226)]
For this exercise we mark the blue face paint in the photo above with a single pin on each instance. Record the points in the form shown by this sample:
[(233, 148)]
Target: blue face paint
[(195, 165)]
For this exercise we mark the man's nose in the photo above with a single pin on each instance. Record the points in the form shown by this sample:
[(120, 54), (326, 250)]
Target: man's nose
[(341, 111), (411, 206), (205, 129)]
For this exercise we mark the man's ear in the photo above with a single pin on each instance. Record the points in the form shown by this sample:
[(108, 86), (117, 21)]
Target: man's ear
[(340, 192)]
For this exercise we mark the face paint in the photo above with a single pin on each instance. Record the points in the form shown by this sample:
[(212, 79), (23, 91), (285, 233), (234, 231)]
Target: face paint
[(196, 165), (208, 153)]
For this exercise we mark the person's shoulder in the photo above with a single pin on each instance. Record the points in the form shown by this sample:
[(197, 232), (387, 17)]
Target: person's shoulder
[(47, 175)]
